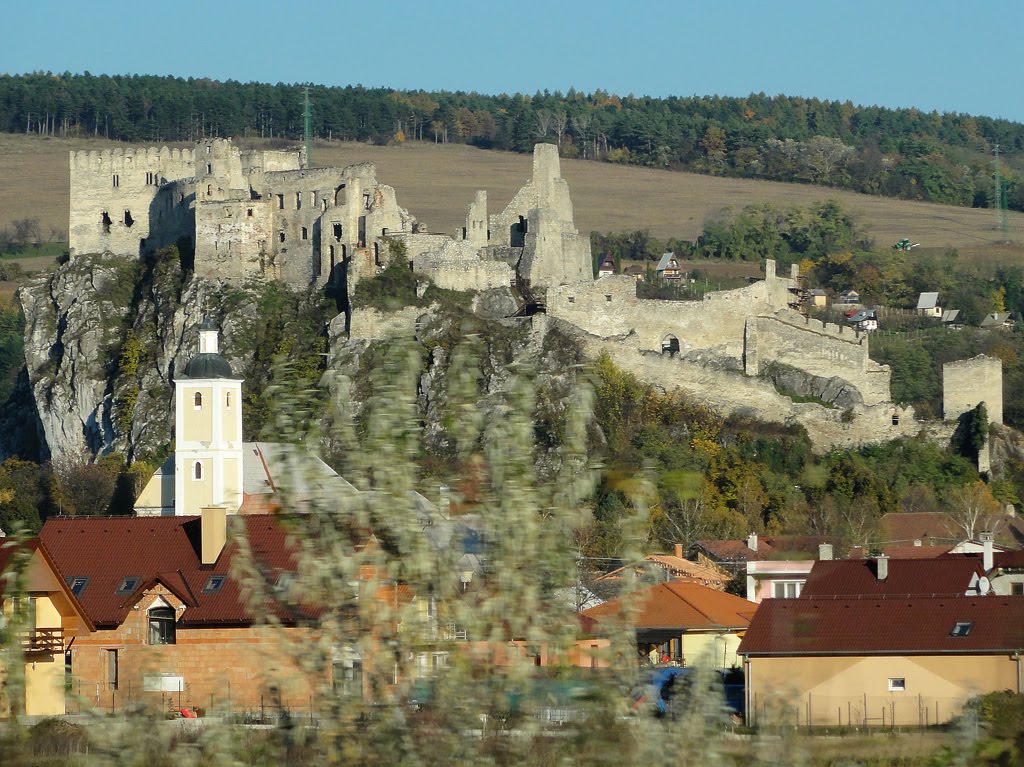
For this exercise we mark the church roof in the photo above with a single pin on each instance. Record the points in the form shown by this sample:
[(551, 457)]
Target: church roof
[(208, 365)]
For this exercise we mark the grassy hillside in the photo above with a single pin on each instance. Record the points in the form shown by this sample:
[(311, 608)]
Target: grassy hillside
[(436, 183)]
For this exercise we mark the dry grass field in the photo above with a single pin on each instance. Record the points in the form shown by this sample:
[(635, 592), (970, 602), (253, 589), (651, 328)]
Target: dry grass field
[(436, 183)]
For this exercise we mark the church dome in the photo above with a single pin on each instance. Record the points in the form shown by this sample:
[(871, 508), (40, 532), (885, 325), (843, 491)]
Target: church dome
[(208, 365)]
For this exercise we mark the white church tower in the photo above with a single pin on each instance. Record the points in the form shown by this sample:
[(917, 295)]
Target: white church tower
[(208, 431)]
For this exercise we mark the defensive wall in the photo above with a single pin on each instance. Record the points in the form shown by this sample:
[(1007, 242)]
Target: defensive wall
[(820, 349)]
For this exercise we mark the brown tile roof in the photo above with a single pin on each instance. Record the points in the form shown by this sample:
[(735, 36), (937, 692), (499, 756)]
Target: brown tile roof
[(777, 547), (1009, 559), (873, 626), (940, 527), (680, 605), (922, 577), (680, 569), (106, 550)]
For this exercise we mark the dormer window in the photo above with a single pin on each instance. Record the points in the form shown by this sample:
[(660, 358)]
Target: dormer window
[(197, 401), (161, 625)]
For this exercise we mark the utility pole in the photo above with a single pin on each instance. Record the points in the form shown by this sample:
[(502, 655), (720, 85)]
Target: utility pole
[(308, 131), (999, 197)]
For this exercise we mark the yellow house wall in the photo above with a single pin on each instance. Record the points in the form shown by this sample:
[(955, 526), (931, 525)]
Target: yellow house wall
[(719, 649), (845, 690), (198, 492), (44, 684), (198, 423), (152, 494)]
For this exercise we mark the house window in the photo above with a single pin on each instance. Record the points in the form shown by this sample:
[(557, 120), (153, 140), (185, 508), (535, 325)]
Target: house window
[(197, 470), (214, 584), (786, 589), (112, 669), (961, 629), (1017, 589), (197, 401), (897, 684), (77, 585), (161, 625), (128, 585)]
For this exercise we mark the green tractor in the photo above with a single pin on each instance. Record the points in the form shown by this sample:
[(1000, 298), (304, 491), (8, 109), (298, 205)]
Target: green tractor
[(905, 245)]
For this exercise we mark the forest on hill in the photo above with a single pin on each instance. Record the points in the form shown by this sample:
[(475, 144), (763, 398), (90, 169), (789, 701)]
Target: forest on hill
[(902, 153)]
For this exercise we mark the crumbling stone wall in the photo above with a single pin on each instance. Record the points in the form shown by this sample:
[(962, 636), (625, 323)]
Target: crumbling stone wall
[(113, 191), (967, 383), (233, 239)]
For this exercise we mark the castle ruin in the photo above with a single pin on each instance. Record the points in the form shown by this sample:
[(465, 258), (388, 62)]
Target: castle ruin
[(263, 214)]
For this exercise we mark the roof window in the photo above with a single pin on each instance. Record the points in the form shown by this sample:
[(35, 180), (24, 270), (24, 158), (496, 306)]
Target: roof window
[(77, 584), (128, 585), (214, 584), (961, 629)]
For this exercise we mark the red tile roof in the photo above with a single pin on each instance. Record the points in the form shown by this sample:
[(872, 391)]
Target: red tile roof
[(106, 550), (680, 605), (680, 569), (923, 577), (873, 626)]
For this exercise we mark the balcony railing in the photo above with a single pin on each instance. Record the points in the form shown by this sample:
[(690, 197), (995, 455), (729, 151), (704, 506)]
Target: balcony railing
[(43, 641)]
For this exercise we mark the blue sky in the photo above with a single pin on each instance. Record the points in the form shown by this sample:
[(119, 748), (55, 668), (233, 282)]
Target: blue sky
[(948, 55)]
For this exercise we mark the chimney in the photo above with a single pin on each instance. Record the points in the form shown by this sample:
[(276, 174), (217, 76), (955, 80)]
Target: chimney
[(824, 551), (752, 541), (213, 532), (988, 550), (679, 550), (882, 567)]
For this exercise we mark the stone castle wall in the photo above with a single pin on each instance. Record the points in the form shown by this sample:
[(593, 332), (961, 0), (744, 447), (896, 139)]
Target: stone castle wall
[(817, 348), (113, 192), (967, 383)]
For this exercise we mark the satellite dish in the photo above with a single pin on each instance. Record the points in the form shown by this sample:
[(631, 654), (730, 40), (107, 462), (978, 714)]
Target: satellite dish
[(984, 585)]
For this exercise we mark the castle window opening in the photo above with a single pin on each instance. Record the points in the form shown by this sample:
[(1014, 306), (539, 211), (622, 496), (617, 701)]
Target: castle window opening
[(128, 220), (572, 299), (337, 232), (384, 232), (376, 254), (209, 168), (463, 232), (105, 220), (895, 419), (207, 148), (280, 236), (608, 297), (332, 256), (670, 345), (305, 233), (366, 200), (197, 401), (248, 212), (323, 204), (209, 189), (313, 199), (280, 202), (298, 200), (116, 180)]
